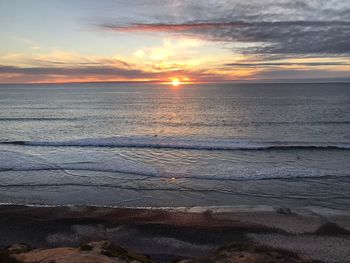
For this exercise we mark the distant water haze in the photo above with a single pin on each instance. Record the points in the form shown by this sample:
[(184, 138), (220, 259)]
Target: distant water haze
[(193, 145)]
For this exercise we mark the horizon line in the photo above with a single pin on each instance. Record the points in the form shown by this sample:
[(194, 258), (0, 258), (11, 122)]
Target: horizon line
[(262, 81)]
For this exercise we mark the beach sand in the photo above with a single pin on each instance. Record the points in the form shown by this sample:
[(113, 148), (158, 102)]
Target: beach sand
[(166, 234)]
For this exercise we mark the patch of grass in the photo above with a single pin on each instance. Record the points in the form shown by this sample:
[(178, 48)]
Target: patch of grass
[(85, 247), (19, 248), (257, 249), (6, 258), (111, 250), (242, 247), (176, 260)]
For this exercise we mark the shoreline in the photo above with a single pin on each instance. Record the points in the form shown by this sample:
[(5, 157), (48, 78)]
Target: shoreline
[(301, 211), (168, 233)]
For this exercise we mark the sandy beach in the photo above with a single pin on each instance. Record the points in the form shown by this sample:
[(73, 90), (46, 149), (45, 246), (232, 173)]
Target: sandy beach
[(181, 233)]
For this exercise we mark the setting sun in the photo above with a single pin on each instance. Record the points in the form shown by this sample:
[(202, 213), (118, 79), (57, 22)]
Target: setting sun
[(175, 82)]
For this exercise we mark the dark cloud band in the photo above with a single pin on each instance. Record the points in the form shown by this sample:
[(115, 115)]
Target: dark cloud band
[(270, 27), (278, 64), (279, 37)]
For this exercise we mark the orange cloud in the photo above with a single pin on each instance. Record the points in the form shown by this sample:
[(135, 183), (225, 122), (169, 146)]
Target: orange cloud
[(162, 27)]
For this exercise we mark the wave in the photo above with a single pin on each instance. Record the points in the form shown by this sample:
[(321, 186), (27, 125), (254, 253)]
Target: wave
[(243, 124), (110, 168), (185, 144), (12, 161), (111, 173), (21, 119)]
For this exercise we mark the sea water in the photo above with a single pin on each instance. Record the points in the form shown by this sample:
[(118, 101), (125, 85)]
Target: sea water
[(111, 144)]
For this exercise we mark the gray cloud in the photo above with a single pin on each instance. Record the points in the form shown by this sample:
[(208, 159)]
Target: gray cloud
[(269, 27), (295, 74), (69, 71), (278, 64), (280, 37)]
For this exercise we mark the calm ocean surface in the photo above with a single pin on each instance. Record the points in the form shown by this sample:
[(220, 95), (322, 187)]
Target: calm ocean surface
[(193, 145)]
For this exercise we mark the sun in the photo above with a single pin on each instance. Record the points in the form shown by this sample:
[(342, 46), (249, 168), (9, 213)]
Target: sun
[(175, 82), (178, 81)]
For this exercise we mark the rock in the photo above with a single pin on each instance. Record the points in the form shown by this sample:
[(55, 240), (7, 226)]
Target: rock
[(93, 252), (107, 252), (111, 250), (63, 255), (18, 248)]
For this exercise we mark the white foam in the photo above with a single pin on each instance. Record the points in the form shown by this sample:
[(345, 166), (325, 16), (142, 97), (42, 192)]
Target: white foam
[(61, 161), (184, 143)]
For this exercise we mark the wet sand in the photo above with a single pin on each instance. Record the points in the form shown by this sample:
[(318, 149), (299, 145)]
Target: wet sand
[(169, 233)]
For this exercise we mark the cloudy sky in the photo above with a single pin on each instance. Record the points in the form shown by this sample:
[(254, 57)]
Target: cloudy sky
[(159, 40)]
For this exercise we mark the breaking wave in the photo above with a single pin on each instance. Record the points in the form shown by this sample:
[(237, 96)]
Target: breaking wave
[(185, 143)]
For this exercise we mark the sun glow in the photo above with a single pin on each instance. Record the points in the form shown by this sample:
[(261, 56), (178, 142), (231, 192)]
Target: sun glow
[(175, 82), (178, 81)]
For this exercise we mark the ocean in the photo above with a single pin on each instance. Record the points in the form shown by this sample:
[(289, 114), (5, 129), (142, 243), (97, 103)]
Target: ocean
[(156, 145)]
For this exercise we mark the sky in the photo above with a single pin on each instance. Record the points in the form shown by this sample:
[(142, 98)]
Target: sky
[(165, 40)]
